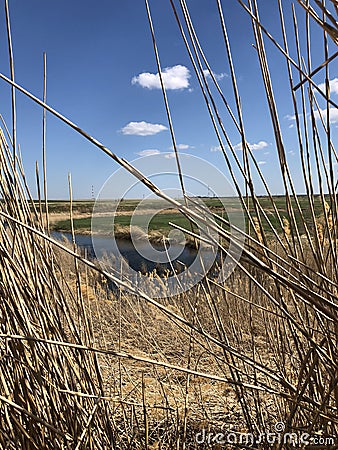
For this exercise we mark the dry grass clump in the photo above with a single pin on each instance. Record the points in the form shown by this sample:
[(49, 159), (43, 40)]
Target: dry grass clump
[(37, 374)]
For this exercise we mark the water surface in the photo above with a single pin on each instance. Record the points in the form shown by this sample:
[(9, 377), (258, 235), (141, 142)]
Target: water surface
[(126, 248)]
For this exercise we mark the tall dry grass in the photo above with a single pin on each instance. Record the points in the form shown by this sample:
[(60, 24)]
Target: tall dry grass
[(87, 366)]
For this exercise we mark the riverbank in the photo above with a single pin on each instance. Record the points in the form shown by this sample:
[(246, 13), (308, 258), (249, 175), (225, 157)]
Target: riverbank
[(127, 233), (104, 224)]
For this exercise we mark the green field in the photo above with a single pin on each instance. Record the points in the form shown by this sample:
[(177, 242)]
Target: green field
[(160, 222)]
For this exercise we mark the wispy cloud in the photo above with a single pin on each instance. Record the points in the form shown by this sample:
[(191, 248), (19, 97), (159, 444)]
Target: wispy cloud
[(333, 86), (218, 76), (216, 148), (257, 146), (261, 163), (149, 152), (322, 113), (172, 155), (292, 118), (142, 128), (169, 155), (176, 77), (182, 147)]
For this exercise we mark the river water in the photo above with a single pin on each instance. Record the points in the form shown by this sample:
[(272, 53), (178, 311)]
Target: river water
[(126, 248)]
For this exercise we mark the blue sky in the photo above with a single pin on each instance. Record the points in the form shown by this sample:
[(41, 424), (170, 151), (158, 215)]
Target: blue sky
[(102, 76)]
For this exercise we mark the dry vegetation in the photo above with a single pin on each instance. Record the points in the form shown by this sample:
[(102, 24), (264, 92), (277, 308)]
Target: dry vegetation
[(88, 361)]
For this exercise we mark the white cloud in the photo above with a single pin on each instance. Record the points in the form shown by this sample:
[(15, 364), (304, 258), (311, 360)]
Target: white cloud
[(176, 77), (333, 86), (291, 152), (292, 118), (149, 152), (335, 164), (182, 147), (143, 128), (172, 155), (169, 155), (218, 76), (261, 163), (257, 146), (216, 149), (322, 113)]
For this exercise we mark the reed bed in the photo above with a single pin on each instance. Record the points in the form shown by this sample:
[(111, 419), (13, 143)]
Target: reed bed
[(89, 361)]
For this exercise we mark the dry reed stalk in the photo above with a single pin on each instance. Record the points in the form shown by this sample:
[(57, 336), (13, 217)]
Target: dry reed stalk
[(286, 227), (44, 137)]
